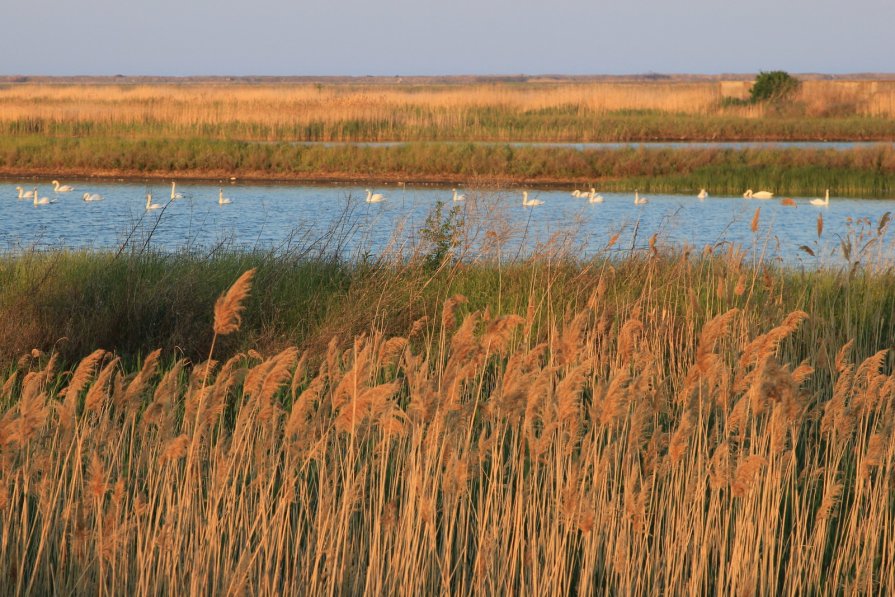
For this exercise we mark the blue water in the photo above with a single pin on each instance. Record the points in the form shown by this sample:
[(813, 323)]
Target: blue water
[(335, 219)]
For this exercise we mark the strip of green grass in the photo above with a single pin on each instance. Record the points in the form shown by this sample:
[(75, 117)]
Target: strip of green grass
[(491, 123), (74, 302), (856, 172)]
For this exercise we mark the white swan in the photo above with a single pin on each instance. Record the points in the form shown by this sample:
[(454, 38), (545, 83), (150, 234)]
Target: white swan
[(174, 193), (822, 202), (530, 202), (702, 194), (150, 204), (221, 199), (577, 193), (458, 197), (592, 197), (92, 197), (23, 194), (374, 197), (638, 200), (57, 188), (42, 200), (759, 195)]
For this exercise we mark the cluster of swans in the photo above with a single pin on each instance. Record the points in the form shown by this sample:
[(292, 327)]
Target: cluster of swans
[(591, 196), (371, 197), (749, 194), (379, 197), (175, 195), (34, 195)]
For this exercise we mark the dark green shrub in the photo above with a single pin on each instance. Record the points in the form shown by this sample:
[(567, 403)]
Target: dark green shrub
[(773, 86)]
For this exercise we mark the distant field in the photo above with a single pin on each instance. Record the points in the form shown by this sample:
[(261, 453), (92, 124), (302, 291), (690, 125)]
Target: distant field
[(445, 109), (251, 128)]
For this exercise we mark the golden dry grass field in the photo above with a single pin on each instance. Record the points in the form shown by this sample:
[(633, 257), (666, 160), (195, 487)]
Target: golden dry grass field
[(354, 111), (260, 129)]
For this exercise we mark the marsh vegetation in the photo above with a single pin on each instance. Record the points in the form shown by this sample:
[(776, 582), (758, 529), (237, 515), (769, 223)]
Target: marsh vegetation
[(658, 419), (660, 423)]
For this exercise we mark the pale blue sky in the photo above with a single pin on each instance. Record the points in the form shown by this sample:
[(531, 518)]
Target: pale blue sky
[(424, 37)]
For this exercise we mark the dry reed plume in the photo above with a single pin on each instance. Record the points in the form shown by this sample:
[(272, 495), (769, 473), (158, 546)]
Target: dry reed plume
[(630, 450), (228, 308)]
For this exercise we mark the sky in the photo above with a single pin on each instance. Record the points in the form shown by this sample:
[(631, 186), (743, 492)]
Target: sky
[(445, 37)]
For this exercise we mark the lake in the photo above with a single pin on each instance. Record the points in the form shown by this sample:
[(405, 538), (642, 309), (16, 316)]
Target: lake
[(336, 219)]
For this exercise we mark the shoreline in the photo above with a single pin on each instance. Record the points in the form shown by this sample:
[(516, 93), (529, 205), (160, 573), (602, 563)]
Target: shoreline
[(327, 179), (347, 179), (857, 172), (50, 284)]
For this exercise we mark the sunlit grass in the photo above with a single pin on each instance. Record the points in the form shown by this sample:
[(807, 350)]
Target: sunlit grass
[(655, 424), (856, 172), (534, 111)]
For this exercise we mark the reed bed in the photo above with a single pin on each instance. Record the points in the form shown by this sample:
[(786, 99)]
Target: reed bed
[(665, 424), (867, 171), (499, 111)]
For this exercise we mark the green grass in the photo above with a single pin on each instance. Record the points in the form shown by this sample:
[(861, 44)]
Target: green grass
[(856, 172), (73, 302), (489, 123)]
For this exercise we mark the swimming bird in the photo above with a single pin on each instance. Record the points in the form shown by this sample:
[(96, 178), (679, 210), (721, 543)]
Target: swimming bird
[(458, 197), (92, 197), (374, 197), (822, 202), (23, 194), (530, 202), (577, 193), (174, 193), (638, 200), (42, 200), (57, 188), (221, 199), (702, 194), (592, 197), (150, 204), (759, 195)]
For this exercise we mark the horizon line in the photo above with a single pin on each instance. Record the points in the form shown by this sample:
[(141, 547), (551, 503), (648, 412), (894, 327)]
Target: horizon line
[(22, 77)]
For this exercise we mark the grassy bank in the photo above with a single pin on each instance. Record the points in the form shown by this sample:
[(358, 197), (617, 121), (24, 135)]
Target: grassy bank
[(451, 111), (561, 124), (657, 424), (72, 302), (857, 172)]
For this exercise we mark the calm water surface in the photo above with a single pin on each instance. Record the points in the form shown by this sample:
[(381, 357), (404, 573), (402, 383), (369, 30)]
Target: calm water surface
[(336, 219)]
